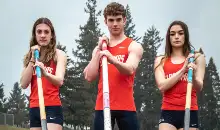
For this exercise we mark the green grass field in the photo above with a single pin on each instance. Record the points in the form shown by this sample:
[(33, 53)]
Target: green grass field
[(3, 127)]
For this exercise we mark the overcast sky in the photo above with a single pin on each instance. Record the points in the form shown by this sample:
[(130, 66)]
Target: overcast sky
[(18, 17)]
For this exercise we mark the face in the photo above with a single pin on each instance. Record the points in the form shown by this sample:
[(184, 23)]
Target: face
[(43, 34), (115, 24), (177, 37)]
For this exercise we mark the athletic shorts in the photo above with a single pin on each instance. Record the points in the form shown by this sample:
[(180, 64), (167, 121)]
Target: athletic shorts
[(126, 120), (176, 118), (54, 114)]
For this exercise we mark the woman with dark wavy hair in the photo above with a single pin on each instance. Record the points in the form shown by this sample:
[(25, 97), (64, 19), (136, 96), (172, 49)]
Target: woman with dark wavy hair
[(171, 78), (52, 62)]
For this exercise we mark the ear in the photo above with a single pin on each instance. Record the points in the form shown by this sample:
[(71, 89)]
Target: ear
[(105, 21), (124, 20)]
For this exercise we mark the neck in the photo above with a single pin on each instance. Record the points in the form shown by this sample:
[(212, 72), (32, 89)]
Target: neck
[(115, 39), (177, 52), (43, 50)]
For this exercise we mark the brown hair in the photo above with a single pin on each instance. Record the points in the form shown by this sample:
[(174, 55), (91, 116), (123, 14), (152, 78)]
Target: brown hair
[(187, 47), (50, 50), (114, 9)]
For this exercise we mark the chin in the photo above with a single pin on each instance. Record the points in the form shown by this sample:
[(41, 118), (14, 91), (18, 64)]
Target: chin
[(116, 33), (43, 44), (177, 45)]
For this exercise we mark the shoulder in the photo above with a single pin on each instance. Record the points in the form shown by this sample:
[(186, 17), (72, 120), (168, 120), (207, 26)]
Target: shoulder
[(60, 54), (159, 59), (135, 46)]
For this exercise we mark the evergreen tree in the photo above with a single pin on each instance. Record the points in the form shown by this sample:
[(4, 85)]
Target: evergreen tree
[(208, 114), (147, 96), (16, 105), (79, 95), (87, 41), (215, 80), (66, 91), (129, 26), (2, 99)]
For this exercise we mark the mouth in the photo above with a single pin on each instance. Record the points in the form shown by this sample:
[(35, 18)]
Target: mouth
[(177, 42), (115, 29), (43, 40)]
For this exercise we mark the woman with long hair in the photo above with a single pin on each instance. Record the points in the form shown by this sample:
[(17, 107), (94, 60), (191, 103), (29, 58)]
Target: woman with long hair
[(52, 62), (171, 78)]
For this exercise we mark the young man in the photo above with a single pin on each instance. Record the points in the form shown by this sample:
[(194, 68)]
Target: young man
[(123, 55)]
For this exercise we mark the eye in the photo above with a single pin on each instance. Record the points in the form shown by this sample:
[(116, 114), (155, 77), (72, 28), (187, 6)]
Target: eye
[(172, 34), (110, 20), (119, 19), (39, 31), (181, 33), (46, 31)]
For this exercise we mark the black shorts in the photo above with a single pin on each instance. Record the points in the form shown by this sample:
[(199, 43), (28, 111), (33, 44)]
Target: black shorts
[(126, 120), (54, 114), (176, 118)]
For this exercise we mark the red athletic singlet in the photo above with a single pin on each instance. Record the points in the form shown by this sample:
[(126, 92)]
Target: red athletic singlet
[(120, 85), (51, 92), (175, 97)]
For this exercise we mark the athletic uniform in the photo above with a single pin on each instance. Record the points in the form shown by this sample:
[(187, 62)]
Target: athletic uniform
[(122, 104), (52, 101), (174, 99)]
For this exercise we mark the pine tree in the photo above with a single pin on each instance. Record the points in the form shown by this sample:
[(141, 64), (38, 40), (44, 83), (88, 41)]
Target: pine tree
[(66, 91), (16, 105), (207, 101), (2, 99), (147, 96), (87, 41), (79, 95), (215, 81), (129, 26)]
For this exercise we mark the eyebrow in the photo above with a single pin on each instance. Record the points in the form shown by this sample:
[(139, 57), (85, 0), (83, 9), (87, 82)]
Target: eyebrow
[(114, 18), (43, 29), (177, 31)]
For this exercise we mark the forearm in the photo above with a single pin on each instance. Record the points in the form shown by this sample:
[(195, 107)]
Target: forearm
[(171, 81), (124, 68), (55, 80), (92, 69), (199, 73), (197, 84), (26, 76)]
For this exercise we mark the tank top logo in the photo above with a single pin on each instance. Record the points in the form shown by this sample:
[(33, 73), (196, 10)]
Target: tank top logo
[(183, 78), (120, 58), (48, 70)]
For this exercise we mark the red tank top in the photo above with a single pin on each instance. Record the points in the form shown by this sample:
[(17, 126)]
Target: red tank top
[(120, 85), (51, 92), (175, 97)]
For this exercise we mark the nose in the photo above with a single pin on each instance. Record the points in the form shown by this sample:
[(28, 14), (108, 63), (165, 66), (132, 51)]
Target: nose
[(176, 36), (115, 23), (42, 35)]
